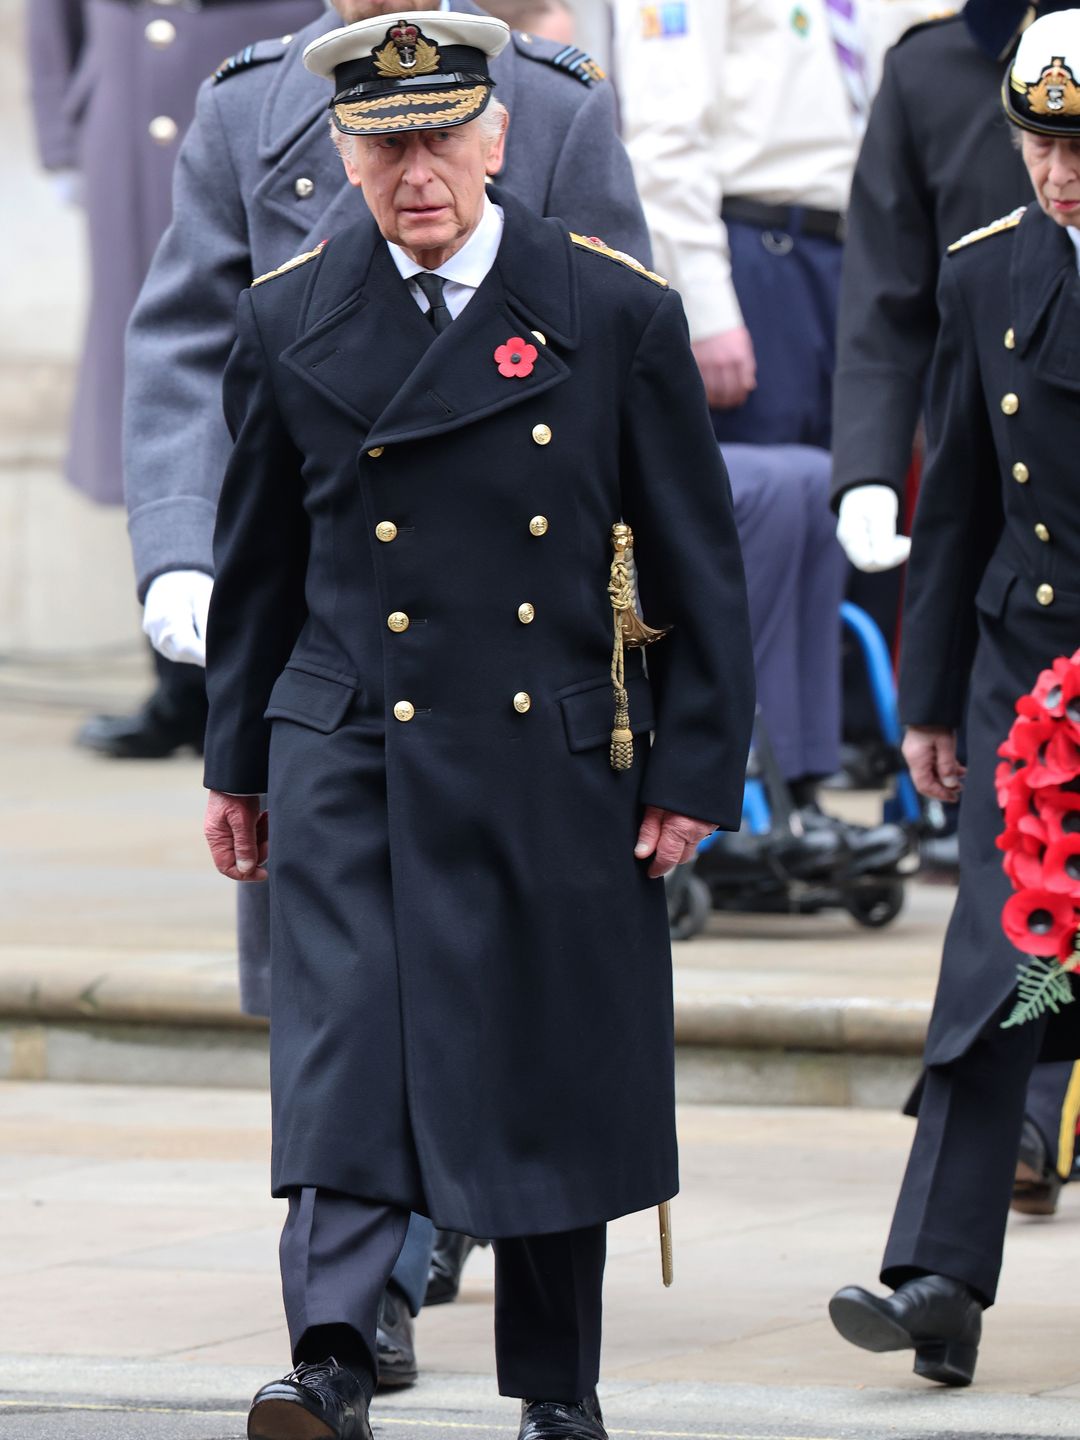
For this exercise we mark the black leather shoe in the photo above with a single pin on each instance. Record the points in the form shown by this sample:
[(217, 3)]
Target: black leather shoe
[(558, 1420), (313, 1402), (394, 1342), (447, 1262), (1037, 1185), (871, 847), (936, 1317), (152, 733)]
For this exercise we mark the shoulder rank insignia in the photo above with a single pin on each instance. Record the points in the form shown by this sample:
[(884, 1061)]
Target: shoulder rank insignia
[(258, 54), (293, 264), (578, 63), (1007, 222), (597, 246)]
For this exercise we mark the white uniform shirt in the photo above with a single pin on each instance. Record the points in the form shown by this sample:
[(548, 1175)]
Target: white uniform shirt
[(464, 272), (1074, 236), (737, 97)]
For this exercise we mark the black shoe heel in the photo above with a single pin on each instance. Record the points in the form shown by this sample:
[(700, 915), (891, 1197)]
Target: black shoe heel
[(949, 1362)]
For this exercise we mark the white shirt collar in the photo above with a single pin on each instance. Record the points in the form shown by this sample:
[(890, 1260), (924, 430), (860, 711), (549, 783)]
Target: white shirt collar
[(470, 265), (1074, 236)]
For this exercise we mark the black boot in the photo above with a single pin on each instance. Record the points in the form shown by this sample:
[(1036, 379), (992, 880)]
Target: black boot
[(313, 1402), (561, 1420), (447, 1262), (394, 1342), (940, 1319), (1037, 1185)]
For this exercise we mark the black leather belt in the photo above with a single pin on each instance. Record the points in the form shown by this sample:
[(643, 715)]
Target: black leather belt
[(789, 219)]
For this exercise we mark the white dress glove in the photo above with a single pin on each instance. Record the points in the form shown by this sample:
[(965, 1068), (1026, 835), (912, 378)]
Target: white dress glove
[(174, 616), (867, 528)]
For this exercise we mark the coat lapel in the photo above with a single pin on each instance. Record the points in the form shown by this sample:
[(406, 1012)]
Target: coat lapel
[(1045, 288), (364, 334), (457, 380)]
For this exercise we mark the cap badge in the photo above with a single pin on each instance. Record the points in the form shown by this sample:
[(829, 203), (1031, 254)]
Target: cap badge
[(406, 51), (516, 358), (1055, 92)]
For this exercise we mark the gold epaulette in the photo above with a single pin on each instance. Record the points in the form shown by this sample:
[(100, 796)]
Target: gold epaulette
[(591, 242), (1007, 222), (292, 264)]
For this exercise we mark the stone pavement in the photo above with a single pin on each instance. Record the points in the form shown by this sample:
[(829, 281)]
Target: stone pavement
[(140, 1297)]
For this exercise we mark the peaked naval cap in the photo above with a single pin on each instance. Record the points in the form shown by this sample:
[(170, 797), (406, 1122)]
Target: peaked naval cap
[(418, 70), (1041, 89)]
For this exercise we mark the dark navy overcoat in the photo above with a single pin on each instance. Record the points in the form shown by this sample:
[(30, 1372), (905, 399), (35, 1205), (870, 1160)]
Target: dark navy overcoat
[(993, 591), (471, 977)]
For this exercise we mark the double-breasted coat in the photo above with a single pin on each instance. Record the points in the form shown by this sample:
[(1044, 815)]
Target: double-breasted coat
[(410, 643), (113, 85), (993, 594)]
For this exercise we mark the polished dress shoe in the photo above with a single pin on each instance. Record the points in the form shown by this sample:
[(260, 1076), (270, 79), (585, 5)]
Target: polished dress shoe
[(152, 733), (314, 1402), (448, 1257), (1037, 1185), (871, 847), (394, 1342), (936, 1317), (561, 1420)]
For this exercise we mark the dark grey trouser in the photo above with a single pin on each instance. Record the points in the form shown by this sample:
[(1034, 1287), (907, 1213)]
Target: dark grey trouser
[(338, 1252)]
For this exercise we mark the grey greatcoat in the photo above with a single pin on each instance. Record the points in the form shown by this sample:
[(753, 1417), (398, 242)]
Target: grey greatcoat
[(257, 182), (113, 87), (471, 1006)]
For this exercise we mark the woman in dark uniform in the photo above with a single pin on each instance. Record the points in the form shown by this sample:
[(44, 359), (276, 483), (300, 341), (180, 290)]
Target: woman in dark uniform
[(993, 598)]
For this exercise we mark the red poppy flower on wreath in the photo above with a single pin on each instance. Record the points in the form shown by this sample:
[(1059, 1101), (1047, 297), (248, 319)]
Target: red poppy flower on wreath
[(1051, 754), (1056, 686), (1020, 812), (1059, 811), (1039, 922), (1005, 781), (1023, 862), (1061, 867), (516, 359)]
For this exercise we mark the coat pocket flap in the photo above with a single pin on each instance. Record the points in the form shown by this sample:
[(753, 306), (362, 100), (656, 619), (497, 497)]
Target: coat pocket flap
[(589, 710), (994, 588), (312, 700)]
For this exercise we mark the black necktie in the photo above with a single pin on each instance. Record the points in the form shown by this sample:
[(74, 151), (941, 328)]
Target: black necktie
[(432, 286)]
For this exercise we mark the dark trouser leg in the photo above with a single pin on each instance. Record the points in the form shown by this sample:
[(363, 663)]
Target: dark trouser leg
[(337, 1253), (1053, 1102), (548, 1313), (954, 1202)]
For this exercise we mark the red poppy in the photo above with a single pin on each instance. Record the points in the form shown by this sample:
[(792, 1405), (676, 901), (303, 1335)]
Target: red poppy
[(1059, 810), (1023, 862), (1039, 922), (516, 359), (1061, 867), (1004, 781), (1029, 707), (1019, 807), (1052, 755)]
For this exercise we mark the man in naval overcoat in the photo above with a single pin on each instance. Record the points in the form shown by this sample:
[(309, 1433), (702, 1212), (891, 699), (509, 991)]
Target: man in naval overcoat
[(992, 599), (444, 421)]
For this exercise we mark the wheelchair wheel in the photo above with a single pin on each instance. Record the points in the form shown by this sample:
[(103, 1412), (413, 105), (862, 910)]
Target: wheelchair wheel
[(688, 916), (876, 903)]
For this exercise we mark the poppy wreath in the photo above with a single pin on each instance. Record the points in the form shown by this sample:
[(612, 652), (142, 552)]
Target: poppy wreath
[(1038, 789)]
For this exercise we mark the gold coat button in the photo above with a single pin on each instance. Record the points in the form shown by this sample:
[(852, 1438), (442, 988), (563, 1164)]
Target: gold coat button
[(1010, 338), (526, 613), (398, 622), (404, 710), (1020, 473), (374, 454), (160, 34), (163, 129), (542, 434), (1041, 531), (304, 188), (540, 336), (1010, 404), (522, 701), (386, 531), (538, 525), (1045, 594)]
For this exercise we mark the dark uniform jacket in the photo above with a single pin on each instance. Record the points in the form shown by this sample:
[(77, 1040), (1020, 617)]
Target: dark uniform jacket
[(993, 591), (471, 1008), (937, 161)]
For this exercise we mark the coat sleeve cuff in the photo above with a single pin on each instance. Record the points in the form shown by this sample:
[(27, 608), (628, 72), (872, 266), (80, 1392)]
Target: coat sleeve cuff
[(875, 412), (171, 534)]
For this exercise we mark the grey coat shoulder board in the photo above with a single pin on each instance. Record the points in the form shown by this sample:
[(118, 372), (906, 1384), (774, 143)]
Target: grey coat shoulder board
[(261, 53), (575, 62)]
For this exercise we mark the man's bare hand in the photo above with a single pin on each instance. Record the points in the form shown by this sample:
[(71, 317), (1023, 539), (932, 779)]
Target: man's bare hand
[(727, 366), (237, 835), (930, 753), (669, 838)]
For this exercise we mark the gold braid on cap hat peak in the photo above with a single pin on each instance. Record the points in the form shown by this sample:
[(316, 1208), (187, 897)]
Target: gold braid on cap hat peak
[(361, 112)]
